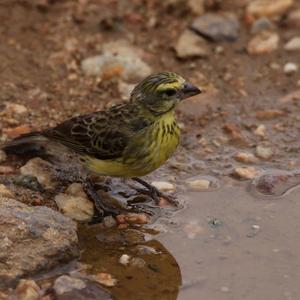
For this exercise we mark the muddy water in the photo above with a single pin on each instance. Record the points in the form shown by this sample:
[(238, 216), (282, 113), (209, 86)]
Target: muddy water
[(225, 244)]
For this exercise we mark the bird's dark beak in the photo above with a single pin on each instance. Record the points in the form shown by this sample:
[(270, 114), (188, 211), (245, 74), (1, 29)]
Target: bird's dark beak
[(189, 90)]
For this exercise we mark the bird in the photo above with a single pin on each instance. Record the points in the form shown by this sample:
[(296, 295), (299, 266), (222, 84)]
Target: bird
[(128, 140)]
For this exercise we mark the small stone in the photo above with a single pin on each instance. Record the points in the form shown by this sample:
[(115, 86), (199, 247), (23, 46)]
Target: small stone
[(124, 259), (245, 172), (146, 250), (137, 262), (215, 223), (28, 290), (3, 156), (264, 152), (29, 182), (6, 170), (264, 42), (5, 192), (65, 284), (40, 169), (14, 108), (119, 58), (292, 96), (245, 157), (261, 24), (266, 8), (290, 68), (109, 222), (125, 89), (191, 45), (133, 218), (293, 44), (217, 27), (269, 114), (197, 6), (163, 186), (79, 208), (293, 19), (106, 279), (275, 66), (199, 184), (16, 131), (260, 130)]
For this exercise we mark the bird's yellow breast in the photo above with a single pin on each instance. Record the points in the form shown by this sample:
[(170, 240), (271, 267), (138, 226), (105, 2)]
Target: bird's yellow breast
[(146, 151)]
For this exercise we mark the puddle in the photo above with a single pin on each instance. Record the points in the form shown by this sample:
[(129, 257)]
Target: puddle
[(224, 244)]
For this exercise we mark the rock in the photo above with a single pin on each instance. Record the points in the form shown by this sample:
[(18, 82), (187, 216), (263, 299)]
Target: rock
[(16, 131), (133, 218), (29, 182), (197, 6), (265, 42), (28, 290), (260, 130), (235, 133), (266, 8), (200, 184), (269, 114), (163, 186), (42, 170), (124, 259), (293, 96), (264, 152), (261, 24), (109, 222), (2, 156), (245, 172), (65, 284), (146, 250), (293, 44), (106, 279), (14, 108), (293, 19), (191, 45), (75, 204), (245, 157), (290, 68), (33, 239), (118, 59), (137, 262), (6, 170), (217, 27), (5, 192), (66, 287), (125, 89)]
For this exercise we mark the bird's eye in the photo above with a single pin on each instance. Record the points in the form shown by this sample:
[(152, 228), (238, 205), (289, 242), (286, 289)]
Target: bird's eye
[(170, 92)]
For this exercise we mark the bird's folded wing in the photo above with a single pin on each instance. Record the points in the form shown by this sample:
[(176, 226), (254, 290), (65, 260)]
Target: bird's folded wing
[(96, 135)]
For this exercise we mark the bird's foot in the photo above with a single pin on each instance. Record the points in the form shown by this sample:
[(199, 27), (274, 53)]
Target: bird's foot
[(101, 207), (155, 194)]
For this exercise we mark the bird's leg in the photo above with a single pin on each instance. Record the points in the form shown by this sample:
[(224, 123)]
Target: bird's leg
[(154, 192), (102, 208)]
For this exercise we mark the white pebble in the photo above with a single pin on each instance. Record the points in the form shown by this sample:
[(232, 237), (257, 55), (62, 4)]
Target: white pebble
[(163, 186), (290, 68), (199, 184), (245, 172), (264, 152), (124, 259)]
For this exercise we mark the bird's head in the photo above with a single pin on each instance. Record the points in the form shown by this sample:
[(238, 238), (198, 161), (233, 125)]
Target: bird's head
[(161, 92)]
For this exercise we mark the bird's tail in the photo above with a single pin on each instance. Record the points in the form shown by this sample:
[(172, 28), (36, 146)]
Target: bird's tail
[(30, 143)]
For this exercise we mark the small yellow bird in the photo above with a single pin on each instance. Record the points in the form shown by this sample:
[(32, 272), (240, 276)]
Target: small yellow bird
[(127, 140)]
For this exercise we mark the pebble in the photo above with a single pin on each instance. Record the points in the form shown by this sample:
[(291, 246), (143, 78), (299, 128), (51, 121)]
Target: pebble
[(75, 204), (16, 131), (3, 156), (106, 279), (5, 192), (28, 289), (197, 6), (119, 58), (293, 19), (191, 45), (124, 259), (199, 184), (137, 262), (245, 172), (245, 157), (40, 169), (29, 182), (260, 130), (266, 8), (260, 25), (264, 152), (125, 89), (163, 186), (143, 250), (217, 27), (133, 218), (269, 114), (65, 284), (14, 108), (109, 222), (264, 42), (290, 68), (293, 44), (6, 170)]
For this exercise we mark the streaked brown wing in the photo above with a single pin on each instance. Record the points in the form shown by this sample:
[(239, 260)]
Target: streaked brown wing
[(103, 135)]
